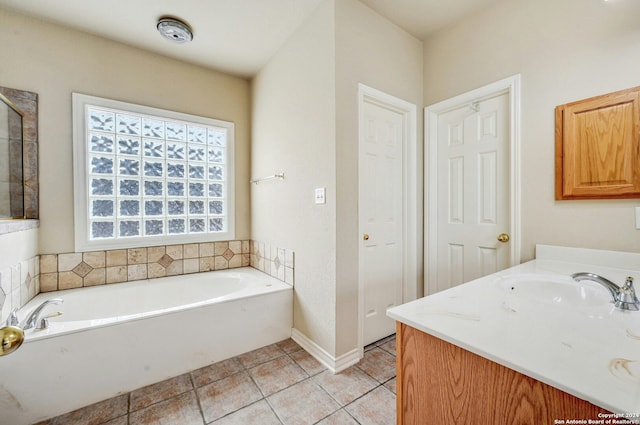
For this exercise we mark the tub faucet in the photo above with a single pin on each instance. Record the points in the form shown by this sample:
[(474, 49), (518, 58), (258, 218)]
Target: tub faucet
[(33, 320), (624, 297), (12, 320)]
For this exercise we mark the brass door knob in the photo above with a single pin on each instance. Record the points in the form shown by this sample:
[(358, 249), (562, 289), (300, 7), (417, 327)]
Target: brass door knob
[(365, 237), (503, 237), (11, 337)]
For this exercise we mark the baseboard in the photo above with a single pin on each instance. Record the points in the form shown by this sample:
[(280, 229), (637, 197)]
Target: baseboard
[(334, 364)]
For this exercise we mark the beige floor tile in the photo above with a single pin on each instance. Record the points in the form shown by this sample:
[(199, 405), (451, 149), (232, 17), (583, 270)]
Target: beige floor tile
[(376, 408), (339, 418), (261, 355), (122, 420), (155, 393), (277, 374), (389, 346), (258, 413), (308, 362), (216, 371), (97, 413), (289, 346), (302, 404), (227, 395), (378, 364), (347, 385), (391, 385), (182, 410)]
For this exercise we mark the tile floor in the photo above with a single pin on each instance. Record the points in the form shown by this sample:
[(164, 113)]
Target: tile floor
[(280, 384)]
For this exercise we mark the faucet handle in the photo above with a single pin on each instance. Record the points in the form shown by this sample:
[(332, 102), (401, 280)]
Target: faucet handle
[(627, 299), (628, 282), (44, 322), (628, 289)]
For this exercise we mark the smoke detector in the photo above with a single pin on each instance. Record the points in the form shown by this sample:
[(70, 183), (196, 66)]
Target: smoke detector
[(174, 30)]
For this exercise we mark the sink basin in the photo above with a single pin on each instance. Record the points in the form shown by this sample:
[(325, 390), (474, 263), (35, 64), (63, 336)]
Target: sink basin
[(558, 290)]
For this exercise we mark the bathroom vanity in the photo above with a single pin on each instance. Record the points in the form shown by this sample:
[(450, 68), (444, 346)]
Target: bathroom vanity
[(527, 345)]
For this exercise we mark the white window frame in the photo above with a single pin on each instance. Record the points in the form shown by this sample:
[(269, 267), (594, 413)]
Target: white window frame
[(83, 242)]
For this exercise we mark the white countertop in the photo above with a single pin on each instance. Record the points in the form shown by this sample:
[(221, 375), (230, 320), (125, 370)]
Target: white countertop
[(564, 333)]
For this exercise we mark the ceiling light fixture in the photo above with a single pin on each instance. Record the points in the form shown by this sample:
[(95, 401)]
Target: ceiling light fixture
[(174, 30)]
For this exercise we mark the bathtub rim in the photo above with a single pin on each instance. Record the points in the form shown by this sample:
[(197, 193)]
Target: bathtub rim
[(61, 328)]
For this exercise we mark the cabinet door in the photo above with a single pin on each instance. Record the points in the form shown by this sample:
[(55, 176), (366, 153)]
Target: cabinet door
[(441, 383), (598, 147)]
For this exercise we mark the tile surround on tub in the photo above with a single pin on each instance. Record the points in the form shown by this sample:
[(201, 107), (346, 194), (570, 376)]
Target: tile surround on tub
[(277, 262), (52, 272), (75, 270), (18, 284)]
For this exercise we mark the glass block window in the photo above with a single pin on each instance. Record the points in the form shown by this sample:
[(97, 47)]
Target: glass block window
[(146, 176)]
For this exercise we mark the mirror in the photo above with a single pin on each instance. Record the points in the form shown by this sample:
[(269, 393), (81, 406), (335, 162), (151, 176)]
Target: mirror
[(11, 161)]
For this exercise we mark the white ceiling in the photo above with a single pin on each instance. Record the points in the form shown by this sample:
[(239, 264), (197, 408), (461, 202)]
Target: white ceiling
[(234, 36), (423, 17)]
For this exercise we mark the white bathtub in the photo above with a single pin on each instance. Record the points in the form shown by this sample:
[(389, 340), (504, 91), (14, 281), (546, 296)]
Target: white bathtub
[(116, 338)]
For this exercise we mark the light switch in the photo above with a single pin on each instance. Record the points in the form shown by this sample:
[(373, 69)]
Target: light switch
[(638, 218), (320, 195)]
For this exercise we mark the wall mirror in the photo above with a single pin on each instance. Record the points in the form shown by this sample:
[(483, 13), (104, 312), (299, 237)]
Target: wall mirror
[(18, 155), (11, 161)]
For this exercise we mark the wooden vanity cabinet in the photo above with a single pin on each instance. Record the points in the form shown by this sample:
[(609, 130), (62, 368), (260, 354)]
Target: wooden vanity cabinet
[(440, 383)]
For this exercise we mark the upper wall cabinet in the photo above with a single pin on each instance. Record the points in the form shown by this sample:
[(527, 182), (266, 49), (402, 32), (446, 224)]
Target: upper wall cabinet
[(598, 147)]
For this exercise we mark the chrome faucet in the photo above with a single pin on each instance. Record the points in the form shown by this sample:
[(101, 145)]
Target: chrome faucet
[(34, 320), (624, 297), (12, 320)]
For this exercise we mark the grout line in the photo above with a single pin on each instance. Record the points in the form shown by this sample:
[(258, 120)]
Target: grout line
[(246, 370), (273, 410), (334, 399), (129, 407), (255, 383), (195, 392)]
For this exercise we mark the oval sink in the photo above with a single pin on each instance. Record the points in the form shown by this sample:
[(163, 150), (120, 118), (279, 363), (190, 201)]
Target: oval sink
[(554, 290)]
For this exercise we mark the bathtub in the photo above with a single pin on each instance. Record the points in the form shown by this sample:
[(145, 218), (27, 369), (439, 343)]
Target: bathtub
[(112, 339)]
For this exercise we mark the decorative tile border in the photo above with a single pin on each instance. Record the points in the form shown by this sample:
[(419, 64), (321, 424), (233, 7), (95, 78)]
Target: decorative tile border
[(77, 270), (277, 262), (52, 272)]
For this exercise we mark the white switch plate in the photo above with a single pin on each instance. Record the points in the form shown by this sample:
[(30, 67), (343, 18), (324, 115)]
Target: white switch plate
[(320, 195), (638, 218)]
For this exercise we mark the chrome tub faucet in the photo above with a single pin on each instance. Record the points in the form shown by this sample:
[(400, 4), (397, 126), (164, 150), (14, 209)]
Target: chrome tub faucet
[(34, 320), (624, 297)]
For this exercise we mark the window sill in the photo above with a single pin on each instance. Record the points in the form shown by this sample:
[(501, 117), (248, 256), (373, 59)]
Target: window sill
[(13, 226)]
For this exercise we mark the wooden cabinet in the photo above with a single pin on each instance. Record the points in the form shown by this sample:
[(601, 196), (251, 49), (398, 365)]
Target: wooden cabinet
[(440, 383), (598, 147)]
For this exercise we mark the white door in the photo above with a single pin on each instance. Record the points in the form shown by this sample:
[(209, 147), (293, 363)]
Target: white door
[(473, 192), (380, 216)]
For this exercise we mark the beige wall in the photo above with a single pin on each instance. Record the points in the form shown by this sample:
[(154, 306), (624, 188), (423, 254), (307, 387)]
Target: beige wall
[(305, 124), (565, 51), (54, 61), (293, 128), (375, 52)]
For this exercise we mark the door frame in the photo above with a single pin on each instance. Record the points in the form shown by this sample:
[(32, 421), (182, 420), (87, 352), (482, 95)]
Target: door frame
[(410, 196), (511, 86)]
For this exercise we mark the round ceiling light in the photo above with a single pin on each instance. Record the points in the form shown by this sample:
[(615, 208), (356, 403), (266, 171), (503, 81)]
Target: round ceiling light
[(175, 30)]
